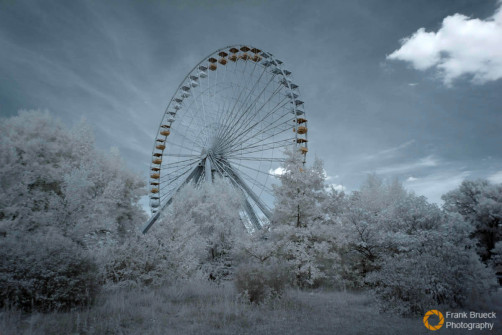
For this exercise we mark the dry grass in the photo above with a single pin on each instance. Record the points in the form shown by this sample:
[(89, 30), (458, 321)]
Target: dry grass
[(202, 308)]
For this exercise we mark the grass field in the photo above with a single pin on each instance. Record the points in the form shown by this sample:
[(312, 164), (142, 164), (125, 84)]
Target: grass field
[(200, 308)]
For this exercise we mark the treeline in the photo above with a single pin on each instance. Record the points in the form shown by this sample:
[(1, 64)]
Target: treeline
[(69, 224)]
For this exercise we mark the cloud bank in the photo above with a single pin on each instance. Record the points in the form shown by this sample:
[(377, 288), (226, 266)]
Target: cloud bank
[(496, 178), (462, 46)]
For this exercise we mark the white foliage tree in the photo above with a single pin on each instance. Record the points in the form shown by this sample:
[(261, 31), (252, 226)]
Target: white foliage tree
[(57, 192), (53, 177), (202, 228), (368, 213), (431, 265), (480, 203), (305, 239), (411, 253)]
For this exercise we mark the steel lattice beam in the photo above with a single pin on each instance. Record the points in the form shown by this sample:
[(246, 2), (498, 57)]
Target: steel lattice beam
[(194, 175)]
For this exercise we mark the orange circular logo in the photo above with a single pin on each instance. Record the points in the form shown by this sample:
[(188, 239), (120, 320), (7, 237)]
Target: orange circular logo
[(426, 319)]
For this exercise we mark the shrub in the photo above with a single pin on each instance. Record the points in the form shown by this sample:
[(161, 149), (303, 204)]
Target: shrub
[(140, 261), (45, 273), (258, 283), (434, 270)]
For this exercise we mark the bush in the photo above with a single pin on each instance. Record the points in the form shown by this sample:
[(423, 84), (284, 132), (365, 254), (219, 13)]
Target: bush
[(258, 283), (434, 271), (140, 261), (45, 273)]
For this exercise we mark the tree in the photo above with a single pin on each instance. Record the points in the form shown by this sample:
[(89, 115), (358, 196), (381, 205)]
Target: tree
[(59, 198), (496, 261), (427, 259), (367, 216), (300, 227), (202, 228), (300, 194), (54, 177), (45, 272), (409, 252), (480, 204)]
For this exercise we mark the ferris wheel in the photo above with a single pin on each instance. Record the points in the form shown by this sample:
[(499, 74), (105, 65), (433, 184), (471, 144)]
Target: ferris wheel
[(232, 117)]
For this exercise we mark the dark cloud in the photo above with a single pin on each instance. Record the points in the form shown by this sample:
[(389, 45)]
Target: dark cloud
[(117, 63)]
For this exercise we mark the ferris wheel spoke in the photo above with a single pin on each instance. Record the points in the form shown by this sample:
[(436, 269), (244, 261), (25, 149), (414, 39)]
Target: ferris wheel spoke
[(180, 155), (264, 150), (195, 141), (172, 171), (218, 167), (167, 182), (254, 181), (175, 168), (166, 197), (175, 174), (250, 97), (250, 168), (265, 210), (268, 128), (266, 138), (183, 128), (251, 107), (257, 159), (179, 146), (264, 146), (230, 127), (180, 180), (242, 133), (246, 123), (169, 164), (241, 92), (193, 174), (258, 184), (235, 120), (234, 175), (250, 212), (270, 113)]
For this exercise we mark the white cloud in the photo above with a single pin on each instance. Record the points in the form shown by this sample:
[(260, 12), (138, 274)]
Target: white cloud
[(277, 172), (328, 177), (462, 46), (411, 179), (496, 178), (336, 187)]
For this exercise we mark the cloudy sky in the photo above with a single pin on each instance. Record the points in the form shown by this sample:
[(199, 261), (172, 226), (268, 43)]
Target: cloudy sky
[(406, 89)]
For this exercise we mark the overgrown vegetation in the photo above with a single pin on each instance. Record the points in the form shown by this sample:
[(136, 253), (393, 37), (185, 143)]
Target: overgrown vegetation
[(201, 307), (69, 219), (45, 273)]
